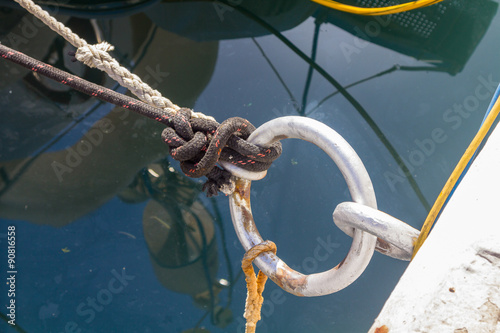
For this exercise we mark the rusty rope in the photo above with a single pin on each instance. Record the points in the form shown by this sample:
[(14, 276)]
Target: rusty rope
[(255, 284)]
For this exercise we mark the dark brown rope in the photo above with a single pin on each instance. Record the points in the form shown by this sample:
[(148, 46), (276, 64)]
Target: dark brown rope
[(197, 143)]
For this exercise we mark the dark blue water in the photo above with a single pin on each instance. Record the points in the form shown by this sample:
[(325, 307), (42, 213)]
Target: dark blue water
[(111, 237)]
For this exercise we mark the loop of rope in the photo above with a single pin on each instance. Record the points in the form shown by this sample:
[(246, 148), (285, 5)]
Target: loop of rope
[(199, 144), (199, 153), (194, 164), (255, 284), (97, 56)]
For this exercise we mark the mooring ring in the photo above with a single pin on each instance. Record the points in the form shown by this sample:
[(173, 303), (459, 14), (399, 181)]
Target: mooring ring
[(360, 187), (394, 237)]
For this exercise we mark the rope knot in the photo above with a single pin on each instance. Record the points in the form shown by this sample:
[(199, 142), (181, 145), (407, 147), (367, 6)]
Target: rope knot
[(200, 143), (94, 55)]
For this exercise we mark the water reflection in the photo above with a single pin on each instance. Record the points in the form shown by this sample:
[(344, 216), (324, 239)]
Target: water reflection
[(180, 235), (54, 183), (432, 35), (64, 158)]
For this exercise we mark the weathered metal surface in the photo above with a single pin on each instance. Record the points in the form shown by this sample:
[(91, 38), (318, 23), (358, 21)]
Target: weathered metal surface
[(395, 238), (361, 190)]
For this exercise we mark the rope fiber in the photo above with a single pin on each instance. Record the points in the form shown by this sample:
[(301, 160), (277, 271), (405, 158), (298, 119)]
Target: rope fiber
[(97, 56), (255, 284), (198, 143), (85, 86)]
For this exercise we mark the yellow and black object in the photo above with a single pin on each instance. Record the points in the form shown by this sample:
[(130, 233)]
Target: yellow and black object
[(445, 34)]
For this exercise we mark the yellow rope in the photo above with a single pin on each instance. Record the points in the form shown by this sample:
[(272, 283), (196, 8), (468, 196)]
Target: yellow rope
[(377, 10), (450, 184), (255, 284)]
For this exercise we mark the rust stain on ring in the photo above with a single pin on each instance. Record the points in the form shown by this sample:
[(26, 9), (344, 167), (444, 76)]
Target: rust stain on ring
[(290, 280), (340, 263), (242, 190), (382, 246), (248, 222), (242, 196)]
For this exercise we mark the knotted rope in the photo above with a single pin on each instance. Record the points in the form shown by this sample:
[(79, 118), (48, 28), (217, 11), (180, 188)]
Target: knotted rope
[(200, 143), (195, 139), (97, 56), (196, 151), (255, 284)]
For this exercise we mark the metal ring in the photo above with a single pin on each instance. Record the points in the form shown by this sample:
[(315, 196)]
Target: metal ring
[(395, 238), (360, 187), (242, 173)]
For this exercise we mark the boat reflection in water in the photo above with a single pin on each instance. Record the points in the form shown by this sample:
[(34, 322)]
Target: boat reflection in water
[(180, 235)]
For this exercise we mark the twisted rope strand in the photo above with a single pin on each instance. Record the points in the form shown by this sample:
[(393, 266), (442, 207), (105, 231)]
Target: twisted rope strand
[(86, 87), (197, 143), (197, 164), (52, 23), (97, 56), (255, 284)]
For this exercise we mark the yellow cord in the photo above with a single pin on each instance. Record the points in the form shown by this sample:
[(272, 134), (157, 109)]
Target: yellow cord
[(377, 10), (255, 284), (450, 184)]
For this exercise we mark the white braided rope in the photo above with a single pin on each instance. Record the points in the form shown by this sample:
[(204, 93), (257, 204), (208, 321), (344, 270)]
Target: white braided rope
[(97, 56)]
